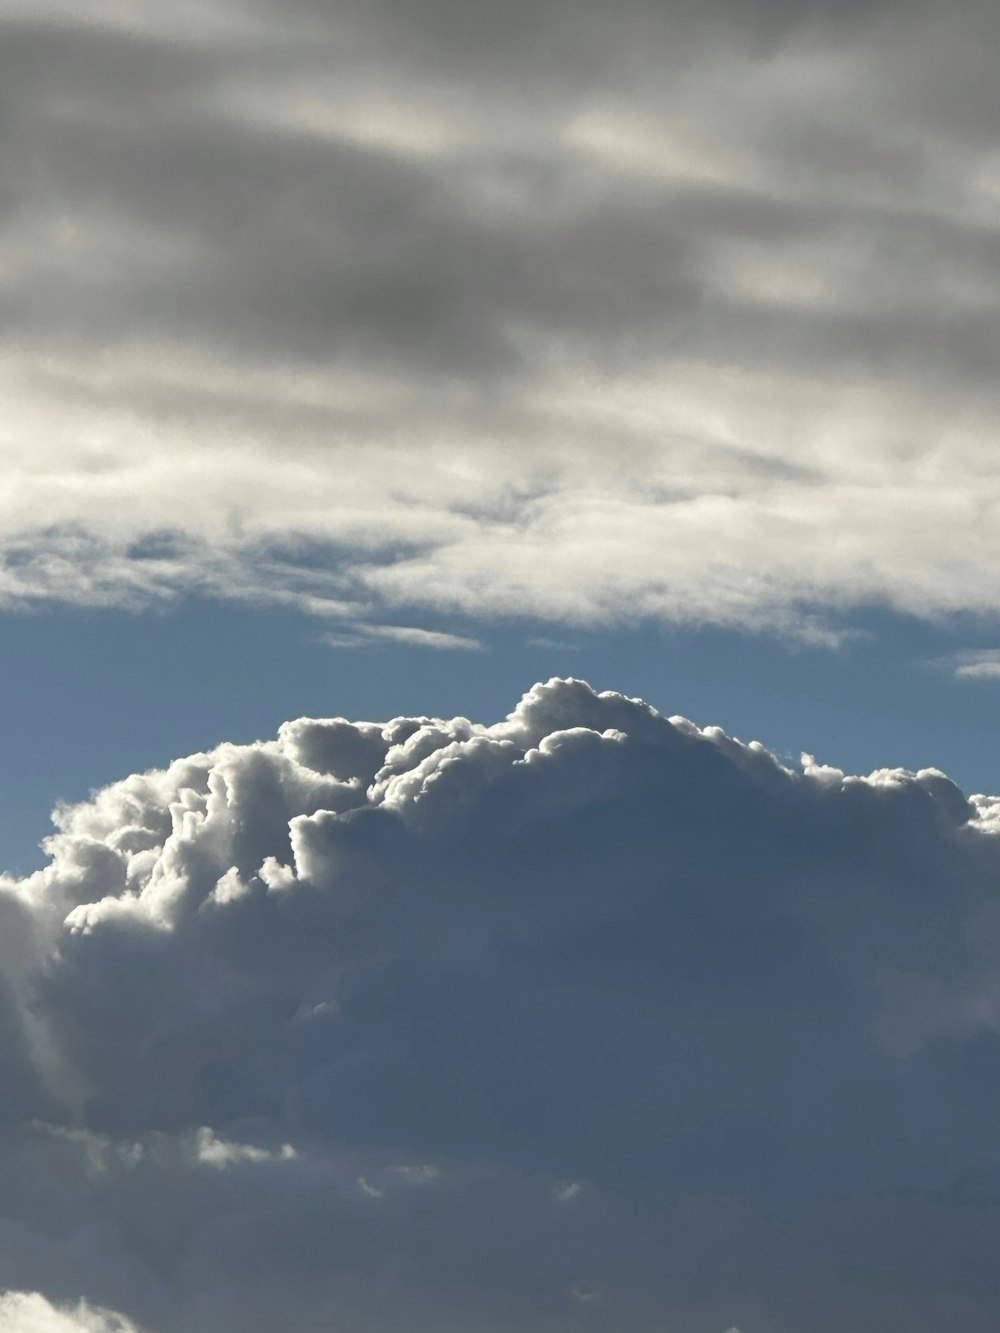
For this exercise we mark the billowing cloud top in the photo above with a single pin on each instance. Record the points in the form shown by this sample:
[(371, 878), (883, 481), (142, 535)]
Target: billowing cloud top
[(585, 1019), (683, 310)]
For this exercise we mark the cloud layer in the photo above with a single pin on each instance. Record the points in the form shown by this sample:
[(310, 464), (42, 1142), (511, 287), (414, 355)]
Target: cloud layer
[(684, 312), (587, 1017)]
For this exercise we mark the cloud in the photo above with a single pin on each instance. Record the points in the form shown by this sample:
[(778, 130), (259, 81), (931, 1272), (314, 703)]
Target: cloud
[(366, 636), (302, 304), (221, 1154), (442, 1024), (976, 664), (30, 1312)]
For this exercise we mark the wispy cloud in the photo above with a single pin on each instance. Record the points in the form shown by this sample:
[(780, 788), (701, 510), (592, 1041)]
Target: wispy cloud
[(975, 663), (370, 636)]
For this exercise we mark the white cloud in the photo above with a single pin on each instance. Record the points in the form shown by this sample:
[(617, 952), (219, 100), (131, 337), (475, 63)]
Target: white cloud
[(366, 636), (30, 1312), (567, 1189), (976, 664), (221, 1154)]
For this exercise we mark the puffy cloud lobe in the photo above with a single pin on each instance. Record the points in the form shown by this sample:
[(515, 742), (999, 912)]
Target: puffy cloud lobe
[(586, 1015)]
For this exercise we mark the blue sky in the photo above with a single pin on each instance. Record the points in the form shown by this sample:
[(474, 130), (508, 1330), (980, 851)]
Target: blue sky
[(91, 696)]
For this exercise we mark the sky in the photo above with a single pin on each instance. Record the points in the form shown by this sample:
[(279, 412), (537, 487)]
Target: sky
[(383, 362)]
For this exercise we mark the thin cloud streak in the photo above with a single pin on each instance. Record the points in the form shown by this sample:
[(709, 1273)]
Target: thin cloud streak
[(368, 636), (975, 664)]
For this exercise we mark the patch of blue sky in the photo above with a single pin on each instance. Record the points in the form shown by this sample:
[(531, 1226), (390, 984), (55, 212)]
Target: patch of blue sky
[(89, 697)]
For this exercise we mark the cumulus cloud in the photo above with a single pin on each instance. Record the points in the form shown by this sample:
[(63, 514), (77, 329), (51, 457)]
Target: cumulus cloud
[(301, 302), (586, 1016)]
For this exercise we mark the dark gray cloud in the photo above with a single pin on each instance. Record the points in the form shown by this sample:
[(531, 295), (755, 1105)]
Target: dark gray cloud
[(584, 1017), (352, 275)]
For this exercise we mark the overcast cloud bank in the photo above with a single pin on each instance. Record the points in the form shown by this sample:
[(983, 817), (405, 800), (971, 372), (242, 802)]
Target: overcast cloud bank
[(585, 1018), (683, 311)]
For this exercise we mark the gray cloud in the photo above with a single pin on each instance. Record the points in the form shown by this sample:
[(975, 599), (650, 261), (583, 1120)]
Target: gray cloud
[(547, 309), (587, 1016)]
